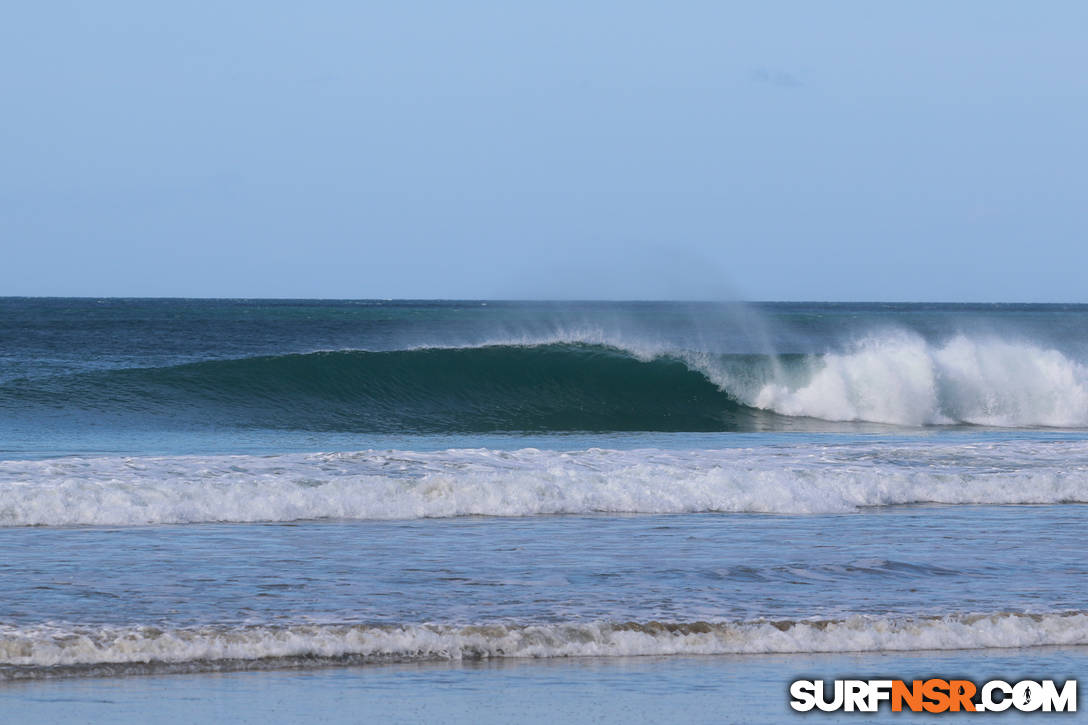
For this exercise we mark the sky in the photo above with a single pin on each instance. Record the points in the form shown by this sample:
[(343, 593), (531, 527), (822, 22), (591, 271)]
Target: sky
[(590, 150)]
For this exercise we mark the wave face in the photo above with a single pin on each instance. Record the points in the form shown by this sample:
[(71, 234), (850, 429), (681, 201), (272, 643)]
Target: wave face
[(897, 378), (529, 482), (57, 650), (544, 387)]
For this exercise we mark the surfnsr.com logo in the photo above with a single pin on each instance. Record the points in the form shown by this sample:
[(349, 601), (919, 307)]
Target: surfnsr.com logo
[(934, 695)]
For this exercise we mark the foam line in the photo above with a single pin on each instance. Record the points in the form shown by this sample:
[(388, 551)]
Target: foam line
[(529, 482), (57, 649)]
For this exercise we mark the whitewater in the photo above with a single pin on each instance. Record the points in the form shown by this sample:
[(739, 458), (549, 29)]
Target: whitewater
[(52, 650), (529, 482), (901, 378)]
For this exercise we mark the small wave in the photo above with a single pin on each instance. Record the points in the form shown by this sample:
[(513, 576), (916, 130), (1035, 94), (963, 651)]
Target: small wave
[(51, 650), (529, 482)]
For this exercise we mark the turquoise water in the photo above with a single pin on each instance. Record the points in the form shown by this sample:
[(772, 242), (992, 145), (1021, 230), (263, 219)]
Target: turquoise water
[(665, 493)]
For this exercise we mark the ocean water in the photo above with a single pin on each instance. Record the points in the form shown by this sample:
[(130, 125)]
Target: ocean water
[(671, 493)]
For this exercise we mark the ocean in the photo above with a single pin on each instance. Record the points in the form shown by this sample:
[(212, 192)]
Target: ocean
[(484, 511)]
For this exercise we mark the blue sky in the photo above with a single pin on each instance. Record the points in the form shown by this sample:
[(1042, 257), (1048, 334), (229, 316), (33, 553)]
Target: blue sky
[(842, 151)]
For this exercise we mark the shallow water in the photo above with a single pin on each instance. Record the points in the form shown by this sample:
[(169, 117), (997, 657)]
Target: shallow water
[(720, 689)]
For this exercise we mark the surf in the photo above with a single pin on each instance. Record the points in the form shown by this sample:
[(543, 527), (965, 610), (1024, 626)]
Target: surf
[(57, 650), (384, 485)]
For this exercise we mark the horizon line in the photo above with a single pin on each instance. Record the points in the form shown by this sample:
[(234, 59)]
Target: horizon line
[(553, 300)]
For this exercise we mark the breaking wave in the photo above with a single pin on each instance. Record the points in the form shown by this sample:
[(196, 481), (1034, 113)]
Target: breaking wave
[(896, 378), (52, 650), (902, 379), (528, 482)]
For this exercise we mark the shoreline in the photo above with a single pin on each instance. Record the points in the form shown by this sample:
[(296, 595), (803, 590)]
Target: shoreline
[(698, 688)]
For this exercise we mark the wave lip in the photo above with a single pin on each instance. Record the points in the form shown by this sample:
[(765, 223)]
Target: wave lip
[(373, 485), (57, 650)]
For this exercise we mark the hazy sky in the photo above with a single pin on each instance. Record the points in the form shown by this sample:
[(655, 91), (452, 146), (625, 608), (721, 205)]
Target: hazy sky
[(842, 151)]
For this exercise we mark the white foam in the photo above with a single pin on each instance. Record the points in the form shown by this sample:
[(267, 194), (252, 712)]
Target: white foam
[(900, 378), (58, 645), (459, 482)]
